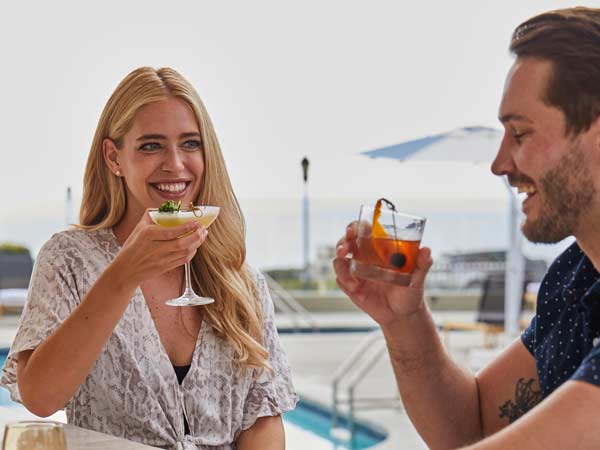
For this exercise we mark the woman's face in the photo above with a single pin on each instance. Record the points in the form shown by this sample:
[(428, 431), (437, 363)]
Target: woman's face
[(161, 157)]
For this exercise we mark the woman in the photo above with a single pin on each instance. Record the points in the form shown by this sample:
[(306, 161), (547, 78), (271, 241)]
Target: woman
[(96, 336)]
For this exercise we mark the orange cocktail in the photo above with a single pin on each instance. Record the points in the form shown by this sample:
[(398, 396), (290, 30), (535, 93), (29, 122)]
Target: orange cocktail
[(387, 244)]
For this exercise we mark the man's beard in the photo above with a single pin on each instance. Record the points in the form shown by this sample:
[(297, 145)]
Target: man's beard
[(565, 192)]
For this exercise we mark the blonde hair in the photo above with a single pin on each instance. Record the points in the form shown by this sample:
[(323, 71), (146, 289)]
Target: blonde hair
[(219, 270)]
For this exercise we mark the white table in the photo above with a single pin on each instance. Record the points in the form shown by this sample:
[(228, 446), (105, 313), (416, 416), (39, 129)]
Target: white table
[(77, 438)]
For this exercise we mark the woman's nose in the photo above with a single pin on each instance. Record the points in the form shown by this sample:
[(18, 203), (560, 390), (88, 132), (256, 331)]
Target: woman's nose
[(173, 161)]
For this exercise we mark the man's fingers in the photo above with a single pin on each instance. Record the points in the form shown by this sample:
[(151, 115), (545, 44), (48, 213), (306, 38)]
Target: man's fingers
[(345, 280), (423, 265), (351, 230), (342, 248)]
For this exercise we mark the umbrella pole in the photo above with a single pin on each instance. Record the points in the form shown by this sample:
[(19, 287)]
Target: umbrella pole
[(515, 265)]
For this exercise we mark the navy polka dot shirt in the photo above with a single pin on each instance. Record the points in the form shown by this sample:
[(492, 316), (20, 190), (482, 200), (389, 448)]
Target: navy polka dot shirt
[(564, 333)]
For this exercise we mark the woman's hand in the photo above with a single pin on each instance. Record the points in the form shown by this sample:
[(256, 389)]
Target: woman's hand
[(151, 249), (384, 302)]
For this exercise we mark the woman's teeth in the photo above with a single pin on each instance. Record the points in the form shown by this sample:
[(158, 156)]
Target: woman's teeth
[(171, 187)]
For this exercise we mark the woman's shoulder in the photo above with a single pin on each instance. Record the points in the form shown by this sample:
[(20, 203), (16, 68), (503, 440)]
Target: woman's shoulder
[(262, 287), (76, 241), (255, 274)]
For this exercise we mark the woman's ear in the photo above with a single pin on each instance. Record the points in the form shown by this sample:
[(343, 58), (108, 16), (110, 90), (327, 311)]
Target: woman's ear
[(111, 156)]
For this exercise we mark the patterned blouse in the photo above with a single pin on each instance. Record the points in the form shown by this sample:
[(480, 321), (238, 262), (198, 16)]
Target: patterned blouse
[(132, 390)]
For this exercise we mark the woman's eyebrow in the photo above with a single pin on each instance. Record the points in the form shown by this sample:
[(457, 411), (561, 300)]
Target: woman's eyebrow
[(145, 137)]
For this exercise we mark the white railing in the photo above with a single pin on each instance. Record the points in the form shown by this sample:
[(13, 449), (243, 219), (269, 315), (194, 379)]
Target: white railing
[(288, 305), (355, 369)]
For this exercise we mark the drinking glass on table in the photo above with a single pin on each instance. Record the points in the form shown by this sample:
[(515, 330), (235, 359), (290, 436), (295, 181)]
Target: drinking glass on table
[(34, 435), (204, 215), (387, 243)]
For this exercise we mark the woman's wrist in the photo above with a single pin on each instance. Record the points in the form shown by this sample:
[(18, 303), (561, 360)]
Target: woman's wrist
[(120, 278)]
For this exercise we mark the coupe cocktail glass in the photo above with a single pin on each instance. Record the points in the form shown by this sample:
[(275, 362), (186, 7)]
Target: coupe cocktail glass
[(387, 244), (204, 215)]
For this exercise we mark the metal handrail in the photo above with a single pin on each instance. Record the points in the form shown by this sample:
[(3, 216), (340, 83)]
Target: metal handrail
[(290, 306), (358, 365)]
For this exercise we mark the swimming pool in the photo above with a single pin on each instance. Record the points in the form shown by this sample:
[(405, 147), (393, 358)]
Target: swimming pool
[(4, 395), (308, 423), (317, 420)]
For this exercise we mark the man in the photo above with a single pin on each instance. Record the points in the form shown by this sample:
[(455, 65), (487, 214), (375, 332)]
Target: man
[(543, 391)]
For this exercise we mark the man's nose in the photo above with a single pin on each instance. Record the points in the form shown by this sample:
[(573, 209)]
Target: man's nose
[(503, 164)]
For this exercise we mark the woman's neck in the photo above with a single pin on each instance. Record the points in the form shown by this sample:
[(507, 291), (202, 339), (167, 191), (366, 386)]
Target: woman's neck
[(126, 225)]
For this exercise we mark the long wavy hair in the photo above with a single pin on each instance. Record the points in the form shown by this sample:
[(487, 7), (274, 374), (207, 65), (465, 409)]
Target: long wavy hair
[(219, 270)]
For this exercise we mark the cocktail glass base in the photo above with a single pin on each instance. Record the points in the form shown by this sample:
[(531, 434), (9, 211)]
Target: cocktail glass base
[(189, 298), (377, 273)]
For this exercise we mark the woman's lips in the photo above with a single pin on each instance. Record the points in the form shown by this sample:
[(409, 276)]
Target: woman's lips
[(172, 191)]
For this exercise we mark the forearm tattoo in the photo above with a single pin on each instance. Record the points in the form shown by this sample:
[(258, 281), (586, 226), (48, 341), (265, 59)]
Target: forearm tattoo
[(526, 397)]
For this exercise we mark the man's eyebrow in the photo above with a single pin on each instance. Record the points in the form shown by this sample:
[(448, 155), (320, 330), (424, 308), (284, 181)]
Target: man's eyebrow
[(508, 117), (146, 137)]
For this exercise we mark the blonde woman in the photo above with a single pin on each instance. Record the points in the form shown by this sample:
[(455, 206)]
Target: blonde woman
[(96, 337)]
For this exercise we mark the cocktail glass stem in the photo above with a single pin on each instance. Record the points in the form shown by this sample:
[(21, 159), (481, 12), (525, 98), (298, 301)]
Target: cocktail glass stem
[(189, 297), (188, 281)]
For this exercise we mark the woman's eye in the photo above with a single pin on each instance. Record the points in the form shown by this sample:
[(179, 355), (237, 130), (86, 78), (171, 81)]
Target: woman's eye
[(150, 147), (191, 145)]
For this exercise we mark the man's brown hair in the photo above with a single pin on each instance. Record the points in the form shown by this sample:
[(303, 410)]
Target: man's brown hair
[(570, 39)]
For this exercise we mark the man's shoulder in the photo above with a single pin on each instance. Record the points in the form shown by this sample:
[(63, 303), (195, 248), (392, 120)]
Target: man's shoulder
[(563, 271)]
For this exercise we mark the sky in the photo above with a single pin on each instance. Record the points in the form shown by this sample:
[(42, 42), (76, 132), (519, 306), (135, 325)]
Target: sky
[(281, 80)]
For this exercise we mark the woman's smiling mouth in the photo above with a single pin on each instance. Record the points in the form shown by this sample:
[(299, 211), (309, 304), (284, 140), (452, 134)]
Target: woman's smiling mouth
[(171, 189)]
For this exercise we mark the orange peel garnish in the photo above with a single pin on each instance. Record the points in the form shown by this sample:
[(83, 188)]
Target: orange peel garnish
[(390, 255), (378, 230)]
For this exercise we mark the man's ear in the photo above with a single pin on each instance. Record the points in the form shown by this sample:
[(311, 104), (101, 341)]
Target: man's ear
[(111, 156)]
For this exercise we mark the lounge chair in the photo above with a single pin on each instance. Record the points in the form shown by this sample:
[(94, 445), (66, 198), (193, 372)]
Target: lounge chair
[(490, 313)]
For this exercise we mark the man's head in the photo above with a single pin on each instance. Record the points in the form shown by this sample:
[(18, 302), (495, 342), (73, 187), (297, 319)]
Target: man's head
[(550, 110), (570, 40)]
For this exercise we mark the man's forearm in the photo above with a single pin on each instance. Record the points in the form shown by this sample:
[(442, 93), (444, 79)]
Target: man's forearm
[(440, 397)]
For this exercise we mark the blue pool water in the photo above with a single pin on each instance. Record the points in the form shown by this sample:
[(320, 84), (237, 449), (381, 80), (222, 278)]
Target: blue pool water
[(307, 415), (317, 420), (4, 395)]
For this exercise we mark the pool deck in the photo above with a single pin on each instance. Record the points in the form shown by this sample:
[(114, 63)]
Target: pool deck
[(315, 357)]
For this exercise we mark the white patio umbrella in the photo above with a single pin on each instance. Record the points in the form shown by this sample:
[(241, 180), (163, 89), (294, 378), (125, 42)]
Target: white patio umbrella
[(472, 145)]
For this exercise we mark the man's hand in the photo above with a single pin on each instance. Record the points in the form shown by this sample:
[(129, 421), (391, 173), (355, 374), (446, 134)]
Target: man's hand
[(384, 302)]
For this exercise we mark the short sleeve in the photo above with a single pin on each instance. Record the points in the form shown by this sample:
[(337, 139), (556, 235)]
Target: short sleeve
[(270, 394), (528, 337), (589, 369), (51, 297)]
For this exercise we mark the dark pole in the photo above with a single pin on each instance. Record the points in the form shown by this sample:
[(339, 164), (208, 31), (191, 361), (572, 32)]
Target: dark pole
[(305, 163)]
